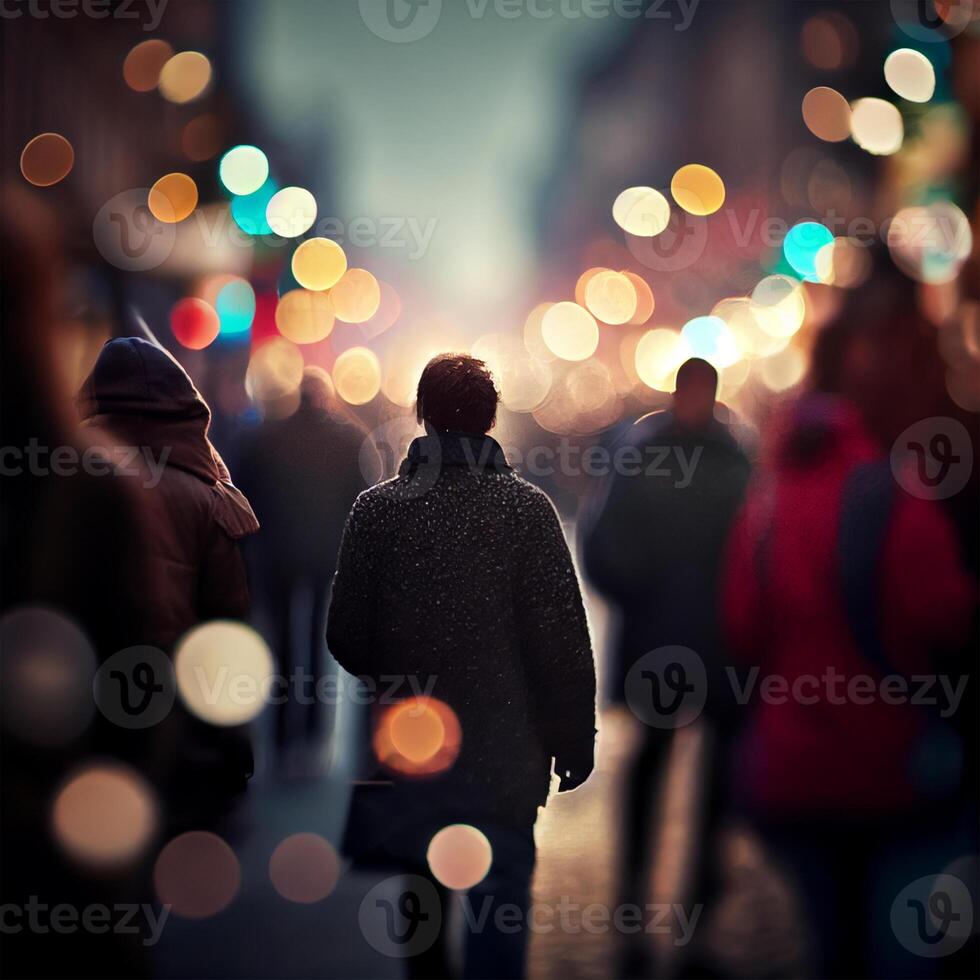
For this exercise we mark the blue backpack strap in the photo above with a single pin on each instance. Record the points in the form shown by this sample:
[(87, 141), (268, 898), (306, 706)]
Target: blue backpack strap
[(866, 509)]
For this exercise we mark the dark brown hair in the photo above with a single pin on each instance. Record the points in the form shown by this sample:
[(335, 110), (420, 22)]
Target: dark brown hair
[(456, 393)]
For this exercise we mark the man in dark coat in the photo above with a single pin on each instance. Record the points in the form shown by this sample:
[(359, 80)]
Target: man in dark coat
[(143, 401), (654, 548), (455, 575)]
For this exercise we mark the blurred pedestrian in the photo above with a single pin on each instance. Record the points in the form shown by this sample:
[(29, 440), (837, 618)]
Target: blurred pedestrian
[(653, 548), (70, 539), (455, 575), (141, 398), (302, 473), (845, 589)]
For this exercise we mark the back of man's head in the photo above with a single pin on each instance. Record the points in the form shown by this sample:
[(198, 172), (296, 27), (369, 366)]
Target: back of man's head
[(694, 396), (456, 393)]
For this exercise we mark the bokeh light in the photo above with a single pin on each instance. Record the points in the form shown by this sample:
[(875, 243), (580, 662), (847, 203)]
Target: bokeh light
[(387, 314), (611, 297), (910, 75), (744, 322), (657, 357), (249, 210), (645, 303), (194, 323), (802, 243), (223, 670), (783, 370), (569, 331), (930, 243), (844, 263), (641, 211), (291, 212), (304, 868), (829, 41), (533, 340), (200, 139), (275, 370), (318, 263), (876, 126), (47, 666), (583, 281), (459, 856), (417, 737), (104, 816), (197, 875), (357, 375), (172, 198), (698, 189), (709, 338), (356, 297), (522, 379), (143, 64), (243, 169), (827, 114), (235, 306), (779, 306), (46, 159), (304, 316), (185, 77)]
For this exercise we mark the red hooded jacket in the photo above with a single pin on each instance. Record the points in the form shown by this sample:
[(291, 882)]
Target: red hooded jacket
[(833, 746)]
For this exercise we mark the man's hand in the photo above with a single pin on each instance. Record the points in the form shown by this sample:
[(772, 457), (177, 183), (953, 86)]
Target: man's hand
[(574, 768)]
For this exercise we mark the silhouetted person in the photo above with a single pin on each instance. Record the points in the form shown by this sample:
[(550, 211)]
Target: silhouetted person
[(847, 588), (70, 540), (141, 397), (302, 474), (653, 549), (456, 573)]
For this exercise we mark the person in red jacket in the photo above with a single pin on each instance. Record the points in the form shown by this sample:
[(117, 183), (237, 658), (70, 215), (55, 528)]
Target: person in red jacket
[(840, 592)]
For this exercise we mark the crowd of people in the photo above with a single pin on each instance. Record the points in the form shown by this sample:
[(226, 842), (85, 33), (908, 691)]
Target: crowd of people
[(807, 560)]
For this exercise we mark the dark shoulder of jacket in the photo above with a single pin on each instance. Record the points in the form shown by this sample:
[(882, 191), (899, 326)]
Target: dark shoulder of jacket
[(529, 499)]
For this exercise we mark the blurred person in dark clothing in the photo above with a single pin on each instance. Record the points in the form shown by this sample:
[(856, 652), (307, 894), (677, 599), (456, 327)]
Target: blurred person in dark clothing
[(653, 548), (302, 474), (455, 574), (837, 577), (71, 535), (139, 396)]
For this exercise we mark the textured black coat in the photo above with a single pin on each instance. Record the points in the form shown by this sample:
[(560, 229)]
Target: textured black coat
[(457, 570)]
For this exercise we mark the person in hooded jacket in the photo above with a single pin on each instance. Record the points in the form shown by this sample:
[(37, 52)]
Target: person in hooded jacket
[(140, 398), (844, 594)]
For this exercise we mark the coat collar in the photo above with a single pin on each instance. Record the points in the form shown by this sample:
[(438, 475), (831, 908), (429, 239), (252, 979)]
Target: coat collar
[(478, 453)]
